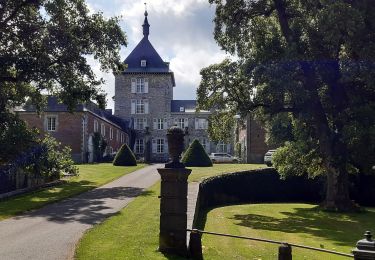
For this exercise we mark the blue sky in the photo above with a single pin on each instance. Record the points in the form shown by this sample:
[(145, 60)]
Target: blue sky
[(180, 30)]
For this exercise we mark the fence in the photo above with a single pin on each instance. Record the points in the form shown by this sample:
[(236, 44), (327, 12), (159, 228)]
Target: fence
[(365, 248)]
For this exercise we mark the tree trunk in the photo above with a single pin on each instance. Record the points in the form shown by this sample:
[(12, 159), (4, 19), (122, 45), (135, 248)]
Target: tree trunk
[(337, 191)]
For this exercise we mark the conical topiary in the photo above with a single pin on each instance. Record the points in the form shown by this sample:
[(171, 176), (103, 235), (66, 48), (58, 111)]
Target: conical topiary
[(124, 157), (196, 156)]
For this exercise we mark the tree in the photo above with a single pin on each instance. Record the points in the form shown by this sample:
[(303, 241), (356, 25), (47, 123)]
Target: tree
[(196, 156), (44, 45), (125, 157), (305, 66)]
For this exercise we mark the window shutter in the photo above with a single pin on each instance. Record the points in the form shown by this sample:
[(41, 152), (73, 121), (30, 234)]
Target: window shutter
[(146, 85), (186, 122), (196, 123), (166, 145), (153, 145), (205, 124), (146, 106), (155, 125), (133, 106), (228, 148), (145, 122), (165, 123), (134, 85)]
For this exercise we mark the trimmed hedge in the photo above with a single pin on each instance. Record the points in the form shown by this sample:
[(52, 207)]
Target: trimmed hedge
[(125, 157), (196, 156), (265, 185)]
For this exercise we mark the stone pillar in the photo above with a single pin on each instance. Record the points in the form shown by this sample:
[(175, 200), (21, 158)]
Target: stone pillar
[(365, 249), (173, 197)]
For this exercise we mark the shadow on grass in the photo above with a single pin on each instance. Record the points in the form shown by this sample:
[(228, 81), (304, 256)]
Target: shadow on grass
[(341, 228)]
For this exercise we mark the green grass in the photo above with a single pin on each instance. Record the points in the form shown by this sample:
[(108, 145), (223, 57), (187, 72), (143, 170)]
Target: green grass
[(200, 173), (90, 177), (295, 223), (133, 232)]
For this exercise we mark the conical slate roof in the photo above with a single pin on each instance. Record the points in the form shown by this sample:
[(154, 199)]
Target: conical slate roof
[(145, 51)]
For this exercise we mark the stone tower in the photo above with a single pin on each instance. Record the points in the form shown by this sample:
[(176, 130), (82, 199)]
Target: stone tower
[(143, 95)]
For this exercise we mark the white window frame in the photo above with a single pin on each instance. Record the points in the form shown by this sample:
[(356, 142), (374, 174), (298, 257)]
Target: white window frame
[(51, 123), (139, 146), (140, 123), (143, 63), (201, 123), (182, 109), (160, 143), (221, 147), (102, 129), (140, 85), (160, 122), (96, 126)]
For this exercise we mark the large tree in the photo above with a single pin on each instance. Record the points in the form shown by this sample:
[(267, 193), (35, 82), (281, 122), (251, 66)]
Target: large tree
[(44, 46), (306, 68)]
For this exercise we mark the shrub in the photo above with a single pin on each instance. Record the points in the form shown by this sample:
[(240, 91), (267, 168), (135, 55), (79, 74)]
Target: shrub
[(196, 156), (125, 157)]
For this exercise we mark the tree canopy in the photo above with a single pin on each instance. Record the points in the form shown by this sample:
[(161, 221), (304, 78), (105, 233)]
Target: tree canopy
[(44, 46), (305, 68)]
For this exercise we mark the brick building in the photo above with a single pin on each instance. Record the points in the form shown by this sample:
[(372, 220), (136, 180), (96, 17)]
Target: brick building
[(144, 96), (77, 129)]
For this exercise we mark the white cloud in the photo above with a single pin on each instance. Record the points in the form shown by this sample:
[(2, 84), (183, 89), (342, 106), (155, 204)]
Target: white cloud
[(181, 31)]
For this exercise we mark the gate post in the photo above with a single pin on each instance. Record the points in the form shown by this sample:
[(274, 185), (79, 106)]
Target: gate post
[(365, 249), (173, 197), (285, 252)]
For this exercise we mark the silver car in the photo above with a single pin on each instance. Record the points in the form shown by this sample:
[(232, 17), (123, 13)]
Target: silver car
[(268, 157), (223, 158)]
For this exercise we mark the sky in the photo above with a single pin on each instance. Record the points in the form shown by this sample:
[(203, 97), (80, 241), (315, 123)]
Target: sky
[(181, 31)]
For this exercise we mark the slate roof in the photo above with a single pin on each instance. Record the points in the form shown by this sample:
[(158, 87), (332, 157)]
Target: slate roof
[(186, 104), (145, 51), (53, 105)]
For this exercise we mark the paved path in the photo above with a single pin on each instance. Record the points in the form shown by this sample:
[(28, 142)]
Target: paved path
[(53, 231)]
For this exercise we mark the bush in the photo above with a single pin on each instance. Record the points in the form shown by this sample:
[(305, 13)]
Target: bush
[(196, 156), (125, 157)]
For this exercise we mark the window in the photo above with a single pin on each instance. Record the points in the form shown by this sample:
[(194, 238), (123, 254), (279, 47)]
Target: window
[(110, 133), (140, 85), (204, 143), (96, 126), (221, 147), (102, 129), (159, 123), (122, 137), (117, 135), (182, 109), (139, 106), (139, 146), (51, 123), (201, 123), (160, 145), (182, 122), (143, 63), (140, 123)]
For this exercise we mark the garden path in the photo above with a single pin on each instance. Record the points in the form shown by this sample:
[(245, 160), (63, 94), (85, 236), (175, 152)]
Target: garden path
[(53, 231)]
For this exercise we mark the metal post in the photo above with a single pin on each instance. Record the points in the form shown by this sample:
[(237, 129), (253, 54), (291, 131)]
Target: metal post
[(365, 249), (285, 252)]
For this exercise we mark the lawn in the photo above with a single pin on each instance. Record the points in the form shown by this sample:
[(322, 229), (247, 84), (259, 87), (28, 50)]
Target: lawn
[(90, 177), (133, 232), (294, 223), (200, 173)]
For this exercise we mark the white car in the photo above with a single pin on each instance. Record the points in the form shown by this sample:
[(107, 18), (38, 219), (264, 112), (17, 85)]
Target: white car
[(268, 157), (223, 158)]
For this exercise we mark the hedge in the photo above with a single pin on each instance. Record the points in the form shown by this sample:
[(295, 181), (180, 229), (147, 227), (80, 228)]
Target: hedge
[(125, 157), (265, 185), (196, 156)]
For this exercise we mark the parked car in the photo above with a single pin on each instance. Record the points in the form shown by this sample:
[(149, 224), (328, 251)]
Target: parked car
[(268, 157), (223, 158)]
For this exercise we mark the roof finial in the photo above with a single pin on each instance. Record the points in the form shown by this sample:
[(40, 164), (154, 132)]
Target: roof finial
[(146, 26)]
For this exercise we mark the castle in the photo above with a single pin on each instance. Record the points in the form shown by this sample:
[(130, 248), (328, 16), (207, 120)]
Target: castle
[(144, 96)]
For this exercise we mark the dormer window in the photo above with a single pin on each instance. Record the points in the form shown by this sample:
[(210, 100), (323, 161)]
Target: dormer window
[(182, 109), (143, 63)]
